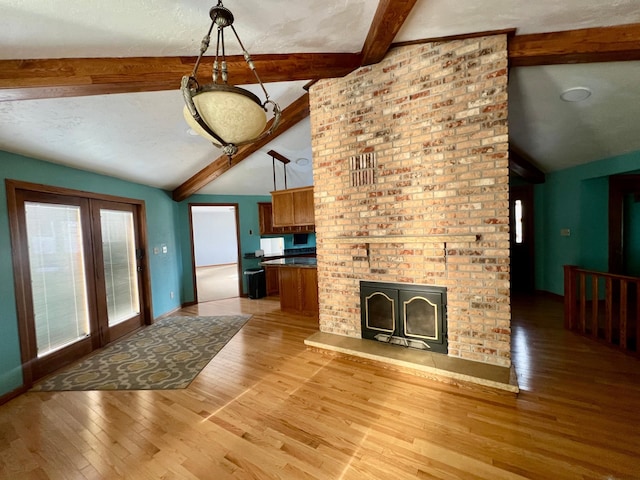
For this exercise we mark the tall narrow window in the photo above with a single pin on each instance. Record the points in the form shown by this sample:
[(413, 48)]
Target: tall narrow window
[(518, 221), (57, 267), (120, 269)]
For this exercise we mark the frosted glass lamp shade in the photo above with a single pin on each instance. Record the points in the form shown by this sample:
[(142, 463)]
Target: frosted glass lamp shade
[(230, 112)]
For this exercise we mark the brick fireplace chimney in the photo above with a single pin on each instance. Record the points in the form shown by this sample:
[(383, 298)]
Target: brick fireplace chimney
[(411, 185)]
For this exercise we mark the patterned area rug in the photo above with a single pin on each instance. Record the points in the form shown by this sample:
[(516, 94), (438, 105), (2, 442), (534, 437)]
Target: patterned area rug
[(166, 355)]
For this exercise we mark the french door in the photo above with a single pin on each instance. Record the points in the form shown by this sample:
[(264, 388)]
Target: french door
[(79, 273), (116, 263)]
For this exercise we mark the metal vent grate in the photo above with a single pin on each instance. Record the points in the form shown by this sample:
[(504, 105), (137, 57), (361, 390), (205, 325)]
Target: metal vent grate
[(363, 169)]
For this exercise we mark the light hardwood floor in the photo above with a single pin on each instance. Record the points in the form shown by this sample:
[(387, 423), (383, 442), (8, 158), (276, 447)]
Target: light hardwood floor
[(267, 408)]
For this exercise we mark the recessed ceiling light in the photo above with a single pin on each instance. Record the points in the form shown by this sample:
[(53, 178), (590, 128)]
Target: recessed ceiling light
[(191, 132), (303, 162), (576, 94)]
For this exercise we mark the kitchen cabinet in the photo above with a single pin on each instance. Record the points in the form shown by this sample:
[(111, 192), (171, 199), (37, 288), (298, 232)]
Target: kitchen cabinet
[(273, 280), (289, 287), (293, 207), (299, 290), (265, 218), (309, 291)]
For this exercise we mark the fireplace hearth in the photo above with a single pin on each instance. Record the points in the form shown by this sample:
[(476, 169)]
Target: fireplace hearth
[(410, 315)]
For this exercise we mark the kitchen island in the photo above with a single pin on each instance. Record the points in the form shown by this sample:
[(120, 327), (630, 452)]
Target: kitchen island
[(297, 282)]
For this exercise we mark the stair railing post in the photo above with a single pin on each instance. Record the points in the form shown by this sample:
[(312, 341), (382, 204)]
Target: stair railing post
[(569, 296)]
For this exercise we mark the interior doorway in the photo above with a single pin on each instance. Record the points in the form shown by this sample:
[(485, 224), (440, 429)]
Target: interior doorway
[(216, 251), (522, 239), (624, 225)]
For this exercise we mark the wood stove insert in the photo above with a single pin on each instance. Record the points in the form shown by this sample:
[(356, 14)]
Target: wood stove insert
[(412, 315)]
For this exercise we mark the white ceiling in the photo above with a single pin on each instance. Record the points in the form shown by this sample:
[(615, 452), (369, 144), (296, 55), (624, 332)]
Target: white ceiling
[(142, 137), (559, 134)]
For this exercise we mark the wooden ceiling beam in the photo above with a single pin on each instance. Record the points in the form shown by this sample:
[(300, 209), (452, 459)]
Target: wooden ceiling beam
[(386, 24), (586, 45), (461, 36), (521, 164), (72, 77), (68, 77), (291, 115)]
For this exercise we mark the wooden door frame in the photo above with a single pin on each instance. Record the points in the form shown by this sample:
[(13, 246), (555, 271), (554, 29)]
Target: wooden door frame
[(20, 260), (619, 186), (193, 250)]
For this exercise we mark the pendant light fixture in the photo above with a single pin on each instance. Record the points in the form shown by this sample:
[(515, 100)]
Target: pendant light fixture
[(227, 115)]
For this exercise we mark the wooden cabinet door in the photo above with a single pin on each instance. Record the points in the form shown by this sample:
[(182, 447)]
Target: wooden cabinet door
[(309, 290), (299, 290), (282, 209), (273, 280), (303, 207), (265, 217), (289, 293)]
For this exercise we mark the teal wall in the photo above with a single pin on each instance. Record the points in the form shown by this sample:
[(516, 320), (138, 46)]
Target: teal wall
[(249, 233), (576, 199), (162, 228), (167, 224)]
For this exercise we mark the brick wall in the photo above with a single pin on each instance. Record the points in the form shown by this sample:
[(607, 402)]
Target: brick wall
[(433, 118)]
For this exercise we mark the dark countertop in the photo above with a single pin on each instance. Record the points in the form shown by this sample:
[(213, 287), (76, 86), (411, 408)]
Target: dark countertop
[(292, 252), (304, 262)]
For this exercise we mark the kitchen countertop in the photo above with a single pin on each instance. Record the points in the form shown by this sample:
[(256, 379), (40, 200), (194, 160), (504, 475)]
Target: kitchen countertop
[(304, 262), (291, 252)]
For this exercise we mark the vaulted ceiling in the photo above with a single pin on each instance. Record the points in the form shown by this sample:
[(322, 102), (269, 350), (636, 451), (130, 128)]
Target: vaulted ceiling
[(94, 85)]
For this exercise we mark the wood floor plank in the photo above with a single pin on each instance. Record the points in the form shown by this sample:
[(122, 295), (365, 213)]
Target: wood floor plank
[(266, 407)]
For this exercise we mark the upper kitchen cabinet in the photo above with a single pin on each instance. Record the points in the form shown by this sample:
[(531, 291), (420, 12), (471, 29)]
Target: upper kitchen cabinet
[(293, 207), (265, 217)]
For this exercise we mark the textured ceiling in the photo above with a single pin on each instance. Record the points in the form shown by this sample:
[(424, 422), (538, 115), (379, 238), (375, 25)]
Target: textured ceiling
[(561, 134), (142, 137)]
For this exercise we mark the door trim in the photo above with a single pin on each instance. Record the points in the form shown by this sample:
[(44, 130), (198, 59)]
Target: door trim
[(19, 257), (193, 248)]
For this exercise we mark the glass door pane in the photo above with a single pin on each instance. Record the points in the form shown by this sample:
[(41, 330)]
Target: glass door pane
[(120, 268), (57, 267)]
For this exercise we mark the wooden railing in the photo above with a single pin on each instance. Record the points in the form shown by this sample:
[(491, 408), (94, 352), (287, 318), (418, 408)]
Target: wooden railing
[(603, 306)]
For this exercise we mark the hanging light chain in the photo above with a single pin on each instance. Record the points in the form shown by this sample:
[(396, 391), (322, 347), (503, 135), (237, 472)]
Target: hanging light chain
[(249, 60), (222, 17), (216, 66)]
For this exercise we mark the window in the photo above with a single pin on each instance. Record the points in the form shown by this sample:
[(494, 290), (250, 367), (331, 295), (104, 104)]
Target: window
[(517, 213)]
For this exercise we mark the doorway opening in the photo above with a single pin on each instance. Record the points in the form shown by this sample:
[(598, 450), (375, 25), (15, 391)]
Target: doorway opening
[(522, 238), (215, 251), (624, 224)]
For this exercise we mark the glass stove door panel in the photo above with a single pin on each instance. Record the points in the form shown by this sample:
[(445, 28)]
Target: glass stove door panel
[(422, 315), (380, 309)]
